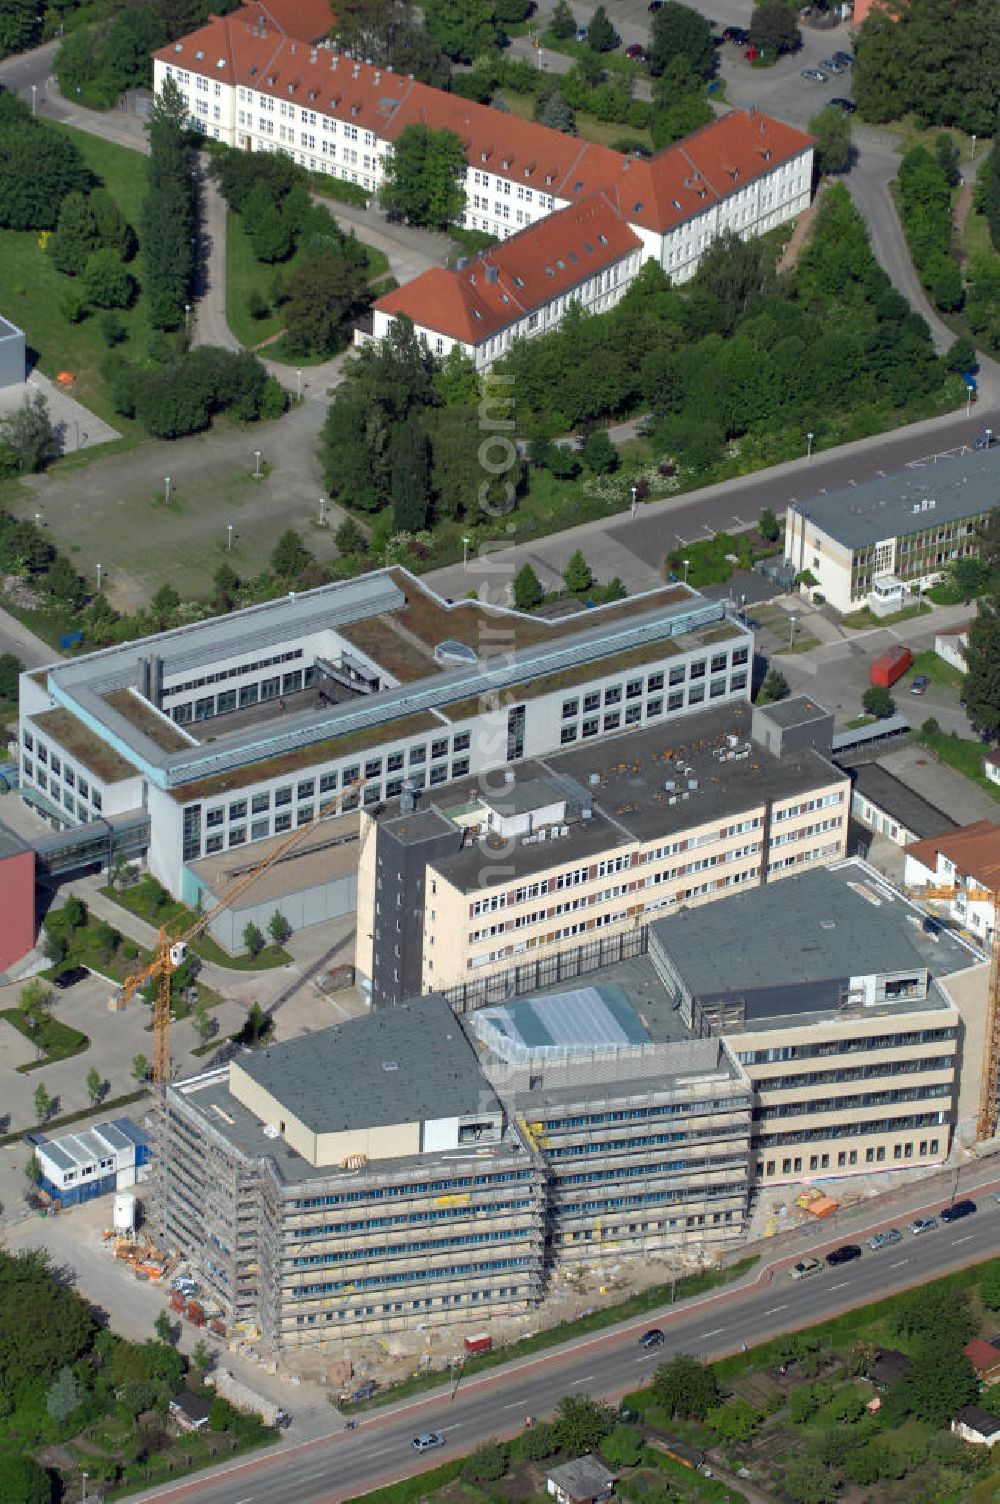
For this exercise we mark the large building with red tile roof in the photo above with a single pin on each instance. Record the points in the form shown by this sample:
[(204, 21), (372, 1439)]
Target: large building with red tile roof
[(250, 83)]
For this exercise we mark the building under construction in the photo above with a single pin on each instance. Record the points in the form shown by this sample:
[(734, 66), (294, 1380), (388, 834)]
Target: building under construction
[(389, 1173)]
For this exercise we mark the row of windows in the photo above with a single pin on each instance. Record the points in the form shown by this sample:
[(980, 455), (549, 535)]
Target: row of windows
[(809, 1079), (435, 1214), (411, 1276), (846, 1046), (846, 1158), (221, 675), (842, 1104), (504, 1292), (420, 1188), (851, 1130), (56, 776), (425, 1247)]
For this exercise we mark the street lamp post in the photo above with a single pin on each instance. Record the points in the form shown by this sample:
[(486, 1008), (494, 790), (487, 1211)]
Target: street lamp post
[(167, 484), (635, 499), (809, 445), (791, 633), (229, 535), (465, 552), (34, 91), (973, 156), (322, 511), (39, 519), (256, 464), (187, 319), (687, 564), (100, 570), (298, 386)]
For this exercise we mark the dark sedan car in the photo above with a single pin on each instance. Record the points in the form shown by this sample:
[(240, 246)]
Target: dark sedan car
[(847, 105), (69, 977), (845, 1254), (653, 1338), (957, 1211)]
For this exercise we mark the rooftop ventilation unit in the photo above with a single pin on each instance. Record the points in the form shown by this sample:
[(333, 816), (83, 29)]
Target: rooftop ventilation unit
[(509, 776)]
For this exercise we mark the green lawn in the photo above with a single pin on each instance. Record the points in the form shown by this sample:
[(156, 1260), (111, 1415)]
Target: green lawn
[(178, 917), (33, 290), (246, 275), (937, 671), (962, 754), (860, 621), (602, 132), (55, 1040)]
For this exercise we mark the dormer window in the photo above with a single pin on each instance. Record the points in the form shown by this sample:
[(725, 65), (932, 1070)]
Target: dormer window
[(604, 239), (518, 281), (199, 54), (677, 203), (476, 314), (549, 179), (549, 272)]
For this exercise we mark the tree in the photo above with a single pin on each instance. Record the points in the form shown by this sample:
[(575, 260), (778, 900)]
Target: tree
[(278, 927), (168, 212), (948, 158), (808, 1482), (163, 1327), (409, 468), (38, 167), (253, 940), (990, 196), (10, 668), (29, 433), (42, 1102), (349, 538), (23, 1481), (203, 1021), (582, 1423), (877, 701), (623, 1447), (202, 1356), (768, 526), (463, 29), (289, 556), (599, 454), (64, 584), (324, 291), (527, 589), (981, 685), (106, 282), (19, 21), (164, 605), (540, 1441), (270, 233), (140, 1068), (95, 1085), (773, 28), (577, 576), (425, 177), (563, 22), (64, 1395), (487, 1464), (552, 109), (736, 1420), (33, 1169), (774, 687), (735, 272), (832, 129), (989, 1286), (601, 35), (686, 1388), (935, 1315), (679, 31), (76, 236), (257, 1025), (938, 1381), (114, 232)]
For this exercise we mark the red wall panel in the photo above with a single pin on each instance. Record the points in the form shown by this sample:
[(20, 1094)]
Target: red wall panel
[(17, 907)]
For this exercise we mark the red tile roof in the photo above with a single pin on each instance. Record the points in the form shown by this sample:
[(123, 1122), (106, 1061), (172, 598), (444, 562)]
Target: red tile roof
[(311, 20), (517, 275), (974, 850), (982, 1355), (686, 179)]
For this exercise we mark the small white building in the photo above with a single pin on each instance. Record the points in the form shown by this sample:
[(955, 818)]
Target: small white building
[(973, 1424), (991, 764), (585, 1480), (93, 1162), (962, 868), (950, 644), (867, 545)]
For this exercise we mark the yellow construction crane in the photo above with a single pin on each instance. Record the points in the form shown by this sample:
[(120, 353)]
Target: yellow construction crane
[(171, 950), (989, 1085)]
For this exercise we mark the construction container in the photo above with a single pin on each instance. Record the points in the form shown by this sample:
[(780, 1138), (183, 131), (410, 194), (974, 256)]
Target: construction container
[(195, 1311), (890, 666), (479, 1342), (177, 1301), (125, 1214)]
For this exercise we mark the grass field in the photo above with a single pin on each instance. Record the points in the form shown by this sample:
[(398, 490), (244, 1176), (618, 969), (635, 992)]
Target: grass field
[(962, 754), (937, 671), (861, 621), (246, 275), (53, 1040), (33, 290), (602, 132)]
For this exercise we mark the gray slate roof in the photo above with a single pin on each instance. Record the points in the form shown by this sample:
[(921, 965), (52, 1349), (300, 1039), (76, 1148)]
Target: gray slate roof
[(405, 1064), (583, 1477), (902, 803), (856, 516)]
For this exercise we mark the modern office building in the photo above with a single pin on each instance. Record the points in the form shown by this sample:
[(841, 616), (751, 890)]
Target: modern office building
[(386, 1174), (871, 544), (827, 990), (232, 732), (468, 891)]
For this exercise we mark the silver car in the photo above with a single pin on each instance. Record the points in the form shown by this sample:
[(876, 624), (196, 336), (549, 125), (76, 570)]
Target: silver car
[(814, 75), (923, 1224), (885, 1239)]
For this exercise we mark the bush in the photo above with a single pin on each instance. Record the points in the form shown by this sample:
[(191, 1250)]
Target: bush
[(878, 701), (488, 1463)]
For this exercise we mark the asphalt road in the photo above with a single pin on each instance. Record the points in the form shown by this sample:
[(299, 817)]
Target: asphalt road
[(609, 1364)]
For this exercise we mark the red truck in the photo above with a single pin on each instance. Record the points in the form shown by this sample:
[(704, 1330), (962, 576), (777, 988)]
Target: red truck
[(480, 1342), (890, 666)]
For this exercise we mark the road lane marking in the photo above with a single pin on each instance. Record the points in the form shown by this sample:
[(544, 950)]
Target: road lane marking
[(714, 1332), (774, 1310), (648, 1358), (842, 1286), (899, 1264), (587, 1379), (380, 1453), (517, 1405), (455, 1426), (967, 1239)]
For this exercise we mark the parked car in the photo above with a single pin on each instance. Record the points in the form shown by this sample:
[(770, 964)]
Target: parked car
[(738, 35), (830, 65), (846, 59), (814, 75), (845, 1254), (885, 1239), (847, 105), (653, 1338), (426, 1440), (987, 440), (957, 1210), (923, 1224), (636, 53), (69, 977), (804, 1268), (654, 6), (920, 684)]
